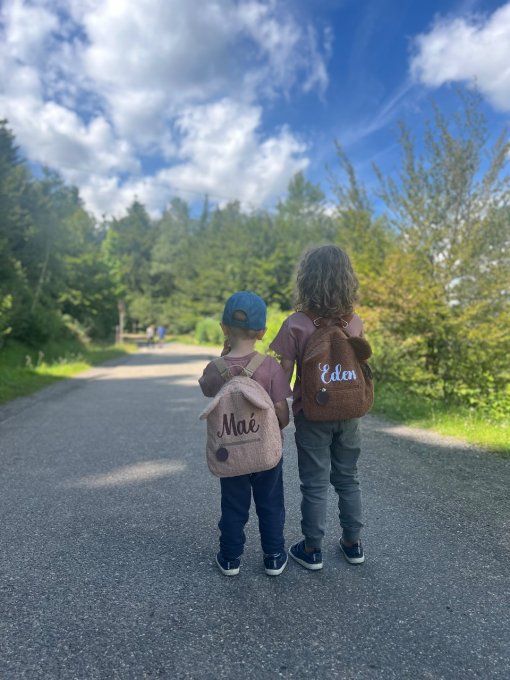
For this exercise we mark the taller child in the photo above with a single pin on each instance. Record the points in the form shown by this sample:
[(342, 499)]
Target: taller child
[(327, 451)]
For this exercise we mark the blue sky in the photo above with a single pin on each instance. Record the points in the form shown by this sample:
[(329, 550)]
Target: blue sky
[(371, 85), (157, 98)]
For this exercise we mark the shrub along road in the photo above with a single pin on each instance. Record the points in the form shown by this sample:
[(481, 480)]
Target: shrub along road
[(109, 532)]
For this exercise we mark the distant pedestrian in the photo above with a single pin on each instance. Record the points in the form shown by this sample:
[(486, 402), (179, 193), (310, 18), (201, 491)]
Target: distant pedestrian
[(328, 449), (149, 332), (161, 331), (243, 323)]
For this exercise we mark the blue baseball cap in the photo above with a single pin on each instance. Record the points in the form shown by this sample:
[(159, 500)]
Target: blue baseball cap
[(253, 307)]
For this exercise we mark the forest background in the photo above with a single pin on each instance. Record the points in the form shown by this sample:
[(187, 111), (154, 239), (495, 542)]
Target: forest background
[(431, 249)]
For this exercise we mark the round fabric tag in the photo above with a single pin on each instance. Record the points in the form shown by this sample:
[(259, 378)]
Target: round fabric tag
[(222, 454), (322, 397)]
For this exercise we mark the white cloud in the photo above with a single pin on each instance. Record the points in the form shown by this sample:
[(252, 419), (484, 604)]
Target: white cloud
[(291, 50), (49, 132), (222, 147), (100, 89), (222, 154), (475, 50), (383, 116), (28, 29), (55, 136), (148, 59)]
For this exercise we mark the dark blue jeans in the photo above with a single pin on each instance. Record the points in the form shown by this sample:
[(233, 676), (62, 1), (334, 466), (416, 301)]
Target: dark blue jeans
[(236, 493)]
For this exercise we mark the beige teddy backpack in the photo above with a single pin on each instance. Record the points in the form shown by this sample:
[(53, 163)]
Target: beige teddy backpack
[(243, 433)]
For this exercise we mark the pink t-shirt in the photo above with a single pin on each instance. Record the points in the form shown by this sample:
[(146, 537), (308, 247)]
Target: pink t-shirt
[(269, 374), (290, 343)]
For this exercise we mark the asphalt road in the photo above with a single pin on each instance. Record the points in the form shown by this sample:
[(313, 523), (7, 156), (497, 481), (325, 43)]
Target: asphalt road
[(108, 534)]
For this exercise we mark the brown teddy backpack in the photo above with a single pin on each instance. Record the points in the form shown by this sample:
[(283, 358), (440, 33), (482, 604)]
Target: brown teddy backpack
[(243, 433), (336, 380)]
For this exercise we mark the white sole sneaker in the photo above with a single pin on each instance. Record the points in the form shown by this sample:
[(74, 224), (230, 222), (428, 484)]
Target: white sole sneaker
[(351, 560), (307, 565), (276, 572), (227, 572)]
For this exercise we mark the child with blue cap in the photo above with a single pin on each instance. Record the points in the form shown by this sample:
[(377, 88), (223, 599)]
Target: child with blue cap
[(243, 323)]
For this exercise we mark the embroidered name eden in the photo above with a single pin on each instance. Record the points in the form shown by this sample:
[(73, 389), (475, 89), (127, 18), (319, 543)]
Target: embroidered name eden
[(337, 375)]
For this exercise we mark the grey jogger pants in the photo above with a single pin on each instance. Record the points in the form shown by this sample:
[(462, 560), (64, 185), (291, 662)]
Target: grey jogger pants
[(328, 452)]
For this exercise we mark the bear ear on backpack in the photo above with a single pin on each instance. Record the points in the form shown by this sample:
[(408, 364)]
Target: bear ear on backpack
[(361, 348), (255, 399), (250, 393), (210, 407)]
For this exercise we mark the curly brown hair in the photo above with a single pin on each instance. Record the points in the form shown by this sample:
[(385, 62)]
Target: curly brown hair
[(326, 283)]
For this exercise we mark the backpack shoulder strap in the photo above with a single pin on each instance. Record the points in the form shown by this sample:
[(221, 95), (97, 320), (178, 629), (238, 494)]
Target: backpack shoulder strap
[(254, 363), (222, 367), (342, 322)]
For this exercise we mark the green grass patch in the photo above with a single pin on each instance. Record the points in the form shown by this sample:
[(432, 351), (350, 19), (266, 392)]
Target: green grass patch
[(471, 425), (24, 370)]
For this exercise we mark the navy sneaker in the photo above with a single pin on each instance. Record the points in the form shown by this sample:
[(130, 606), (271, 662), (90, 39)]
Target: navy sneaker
[(307, 560), (353, 553), (275, 564), (228, 567)]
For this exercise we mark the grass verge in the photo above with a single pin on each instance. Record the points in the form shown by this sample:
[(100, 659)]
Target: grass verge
[(475, 427), (24, 370)]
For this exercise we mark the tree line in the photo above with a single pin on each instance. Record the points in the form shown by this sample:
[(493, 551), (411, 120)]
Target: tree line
[(431, 248)]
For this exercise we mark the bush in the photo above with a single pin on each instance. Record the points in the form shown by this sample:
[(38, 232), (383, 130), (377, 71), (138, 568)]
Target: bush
[(209, 330), (76, 329), (275, 318), (40, 325), (5, 317)]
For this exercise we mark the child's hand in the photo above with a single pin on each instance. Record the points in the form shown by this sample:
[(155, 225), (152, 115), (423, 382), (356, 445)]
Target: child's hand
[(282, 413)]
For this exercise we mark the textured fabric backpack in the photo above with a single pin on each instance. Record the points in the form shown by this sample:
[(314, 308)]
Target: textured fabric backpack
[(336, 380), (243, 433)]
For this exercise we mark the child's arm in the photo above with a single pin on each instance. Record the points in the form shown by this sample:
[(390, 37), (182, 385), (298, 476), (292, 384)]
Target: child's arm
[(211, 381), (288, 368), (282, 413), (205, 386), (285, 347), (279, 390), (356, 326)]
